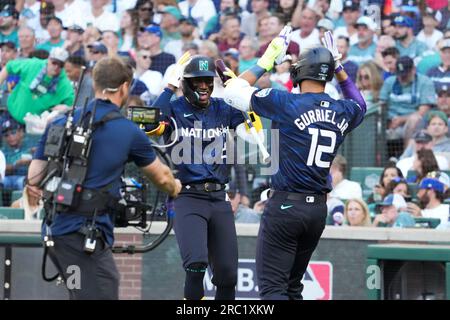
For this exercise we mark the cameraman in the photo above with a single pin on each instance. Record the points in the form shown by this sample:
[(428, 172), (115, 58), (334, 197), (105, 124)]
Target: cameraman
[(114, 143)]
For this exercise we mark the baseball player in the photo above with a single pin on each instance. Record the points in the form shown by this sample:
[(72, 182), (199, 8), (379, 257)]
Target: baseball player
[(311, 127)]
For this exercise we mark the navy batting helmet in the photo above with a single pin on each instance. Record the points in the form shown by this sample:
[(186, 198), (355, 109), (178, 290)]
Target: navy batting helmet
[(313, 64), (199, 67)]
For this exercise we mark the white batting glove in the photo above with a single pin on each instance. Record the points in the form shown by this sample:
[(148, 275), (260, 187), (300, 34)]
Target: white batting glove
[(177, 72), (285, 34), (330, 43)]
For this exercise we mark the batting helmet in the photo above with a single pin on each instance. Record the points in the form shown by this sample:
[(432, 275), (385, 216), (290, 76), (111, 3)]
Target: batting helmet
[(200, 66), (313, 64)]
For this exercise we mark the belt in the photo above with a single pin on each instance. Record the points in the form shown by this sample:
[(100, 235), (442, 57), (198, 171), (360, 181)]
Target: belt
[(309, 198), (207, 186)]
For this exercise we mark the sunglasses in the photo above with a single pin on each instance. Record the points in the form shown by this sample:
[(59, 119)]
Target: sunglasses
[(10, 132)]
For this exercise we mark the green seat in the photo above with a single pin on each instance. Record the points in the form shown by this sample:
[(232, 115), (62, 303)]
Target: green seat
[(427, 222), (16, 195), (11, 213), (368, 177)]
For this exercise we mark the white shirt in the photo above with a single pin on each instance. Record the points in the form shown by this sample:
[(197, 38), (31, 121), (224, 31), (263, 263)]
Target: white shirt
[(432, 40), (174, 47), (202, 11), (406, 164), (152, 80), (309, 42), (347, 189), (2, 165), (441, 212), (106, 21), (342, 31)]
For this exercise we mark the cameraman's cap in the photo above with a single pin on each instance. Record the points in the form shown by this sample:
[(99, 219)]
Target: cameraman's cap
[(431, 183), (189, 20), (422, 137), (98, 46), (59, 54), (174, 11), (395, 200), (153, 28), (404, 65), (403, 21), (366, 21), (327, 24), (11, 124), (437, 113), (352, 5)]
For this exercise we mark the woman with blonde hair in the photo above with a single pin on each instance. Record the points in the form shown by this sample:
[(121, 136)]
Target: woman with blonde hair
[(369, 82), (356, 213)]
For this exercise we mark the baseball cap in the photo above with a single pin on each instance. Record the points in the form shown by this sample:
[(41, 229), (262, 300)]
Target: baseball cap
[(174, 11), (441, 176), (232, 52), (189, 20), (368, 22), (403, 21), (327, 24), (349, 4), (75, 28), (442, 88), (59, 54), (435, 14), (422, 137), (98, 46), (437, 113), (153, 28), (410, 6), (404, 65), (395, 200), (432, 183), (445, 43), (55, 18), (9, 44), (9, 11), (11, 124)]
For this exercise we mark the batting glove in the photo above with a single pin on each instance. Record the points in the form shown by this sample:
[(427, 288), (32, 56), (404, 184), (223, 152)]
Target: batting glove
[(330, 43), (177, 72), (276, 49)]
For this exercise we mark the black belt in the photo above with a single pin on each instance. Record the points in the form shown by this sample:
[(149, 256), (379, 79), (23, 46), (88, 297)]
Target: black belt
[(309, 198), (207, 186)]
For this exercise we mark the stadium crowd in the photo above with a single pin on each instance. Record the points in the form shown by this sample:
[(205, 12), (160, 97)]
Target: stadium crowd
[(396, 51)]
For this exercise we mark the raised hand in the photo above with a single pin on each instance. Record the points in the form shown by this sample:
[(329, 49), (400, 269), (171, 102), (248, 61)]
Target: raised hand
[(177, 72), (330, 43)]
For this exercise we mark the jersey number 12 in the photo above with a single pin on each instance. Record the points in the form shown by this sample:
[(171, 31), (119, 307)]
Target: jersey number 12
[(316, 150)]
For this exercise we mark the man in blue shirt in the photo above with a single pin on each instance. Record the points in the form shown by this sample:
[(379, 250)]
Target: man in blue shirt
[(311, 128), (364, 50), (441, 74), (114, 143), (406, 42)]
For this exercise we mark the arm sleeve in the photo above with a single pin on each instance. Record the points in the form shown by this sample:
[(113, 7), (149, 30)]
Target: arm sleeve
[(350, 91), (163, 102), (273, 104)]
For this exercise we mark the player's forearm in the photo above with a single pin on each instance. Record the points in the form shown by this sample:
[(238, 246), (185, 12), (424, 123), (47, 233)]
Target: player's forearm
[(349, 89), (253, 74), (36, 172)]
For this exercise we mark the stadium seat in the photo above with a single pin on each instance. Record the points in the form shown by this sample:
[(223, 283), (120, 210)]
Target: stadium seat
[(11, 213), (368, 177), (431, 223)]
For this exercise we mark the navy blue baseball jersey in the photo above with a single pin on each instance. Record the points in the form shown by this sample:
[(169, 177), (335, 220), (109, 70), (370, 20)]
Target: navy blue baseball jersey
[(200, 154), (311, 127)]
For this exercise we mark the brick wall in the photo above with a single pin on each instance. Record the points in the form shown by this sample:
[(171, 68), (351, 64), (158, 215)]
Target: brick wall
[(130, 268)]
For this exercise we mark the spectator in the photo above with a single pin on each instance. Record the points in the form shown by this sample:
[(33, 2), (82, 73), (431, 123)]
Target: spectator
[(91, 34), (321, 7), (325, 25), (18, 154), (259, 206), (357, 214), (394, 213), (307, 36), (342, 188), (390, 57), (263, 31), (388, 27), (383, 43), (408, 97), (68, 15), (170, 23), (399, 186), (54, 29), (145, 10), (406, 43), (39, 25), (8, 52), (231, 59), (74, 41), (286, 8), (422, 141), (2, 166), (431, 197), (209, 49), (429, 34), (100, 18), (43, 85), (96, 51), (111, 41), (227, 8), (152, 79), (350, 13), (282, 73), (129, 27), (27, 42), (250, 24), (247, 53), (187, 30), (343, 45), (441, 75), (380, 190), (242, 214), (230, 34), (150, 38), (364, 49), (335, 211), (200, 10), (424, 163), (443, 100), (73, 68), (369, 82), (8, 25)]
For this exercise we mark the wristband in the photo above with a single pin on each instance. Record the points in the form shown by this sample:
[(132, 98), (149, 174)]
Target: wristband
[(339, 68)]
